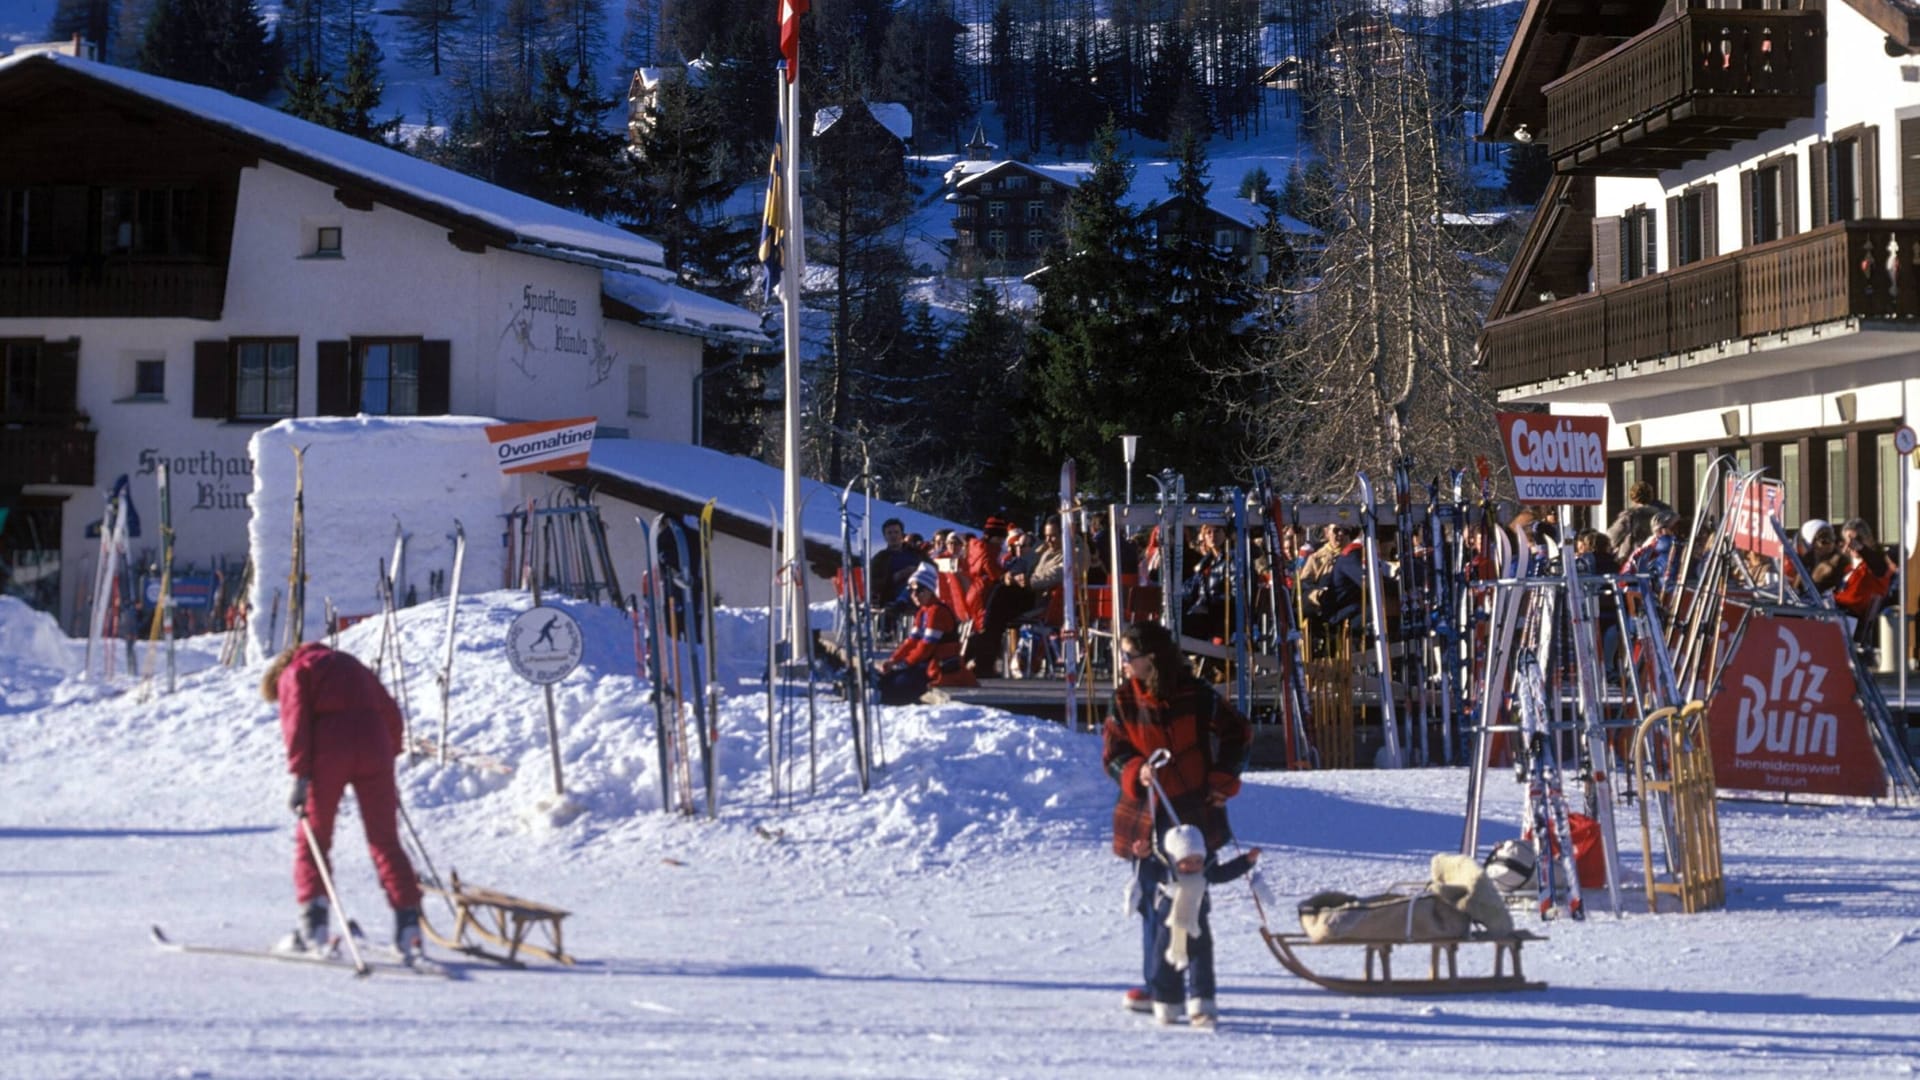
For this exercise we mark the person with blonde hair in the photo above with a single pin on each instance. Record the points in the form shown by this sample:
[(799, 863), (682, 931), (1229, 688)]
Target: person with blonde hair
[(342, 730)]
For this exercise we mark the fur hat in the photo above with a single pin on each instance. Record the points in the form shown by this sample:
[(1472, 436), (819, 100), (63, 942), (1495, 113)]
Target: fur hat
[(926, 577), (1184, 840), (1813, 527)]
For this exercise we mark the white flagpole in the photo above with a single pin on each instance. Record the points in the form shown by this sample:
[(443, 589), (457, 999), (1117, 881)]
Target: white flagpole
[(794, 550)]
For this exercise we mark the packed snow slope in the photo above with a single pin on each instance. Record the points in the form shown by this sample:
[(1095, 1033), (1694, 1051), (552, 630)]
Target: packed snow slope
[(962, 919)]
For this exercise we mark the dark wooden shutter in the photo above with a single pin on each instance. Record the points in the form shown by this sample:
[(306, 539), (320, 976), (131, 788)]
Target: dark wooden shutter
[(1673, 228), (1650, 236), (59, 377), (1817, 185), (1709, 220), (436, 378), (212, 380), (1869, 178), (333, 378), (1910, 167), (1747, 208), (1606, 252)]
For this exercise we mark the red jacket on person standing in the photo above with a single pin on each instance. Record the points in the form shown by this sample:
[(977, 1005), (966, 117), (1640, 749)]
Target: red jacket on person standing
[(336, 718)]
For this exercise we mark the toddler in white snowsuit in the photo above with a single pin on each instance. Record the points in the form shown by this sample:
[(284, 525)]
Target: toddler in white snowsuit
[(1175, 909)]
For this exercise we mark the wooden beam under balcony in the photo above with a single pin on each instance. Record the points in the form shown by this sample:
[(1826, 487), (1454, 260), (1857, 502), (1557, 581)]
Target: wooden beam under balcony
[(1701, 82), (112, 287), (1863, 272)]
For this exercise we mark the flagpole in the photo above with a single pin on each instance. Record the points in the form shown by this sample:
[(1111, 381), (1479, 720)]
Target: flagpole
[(794, 552)]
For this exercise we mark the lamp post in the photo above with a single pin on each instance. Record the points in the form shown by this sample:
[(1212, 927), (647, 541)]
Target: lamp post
[(1128, 444)]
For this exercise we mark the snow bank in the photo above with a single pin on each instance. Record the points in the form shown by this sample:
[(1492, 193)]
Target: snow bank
[(365, 478)]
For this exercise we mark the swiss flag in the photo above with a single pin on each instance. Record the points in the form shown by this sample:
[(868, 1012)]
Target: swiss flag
[(790, 12)]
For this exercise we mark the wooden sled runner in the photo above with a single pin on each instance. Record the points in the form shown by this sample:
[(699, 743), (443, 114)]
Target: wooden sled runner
[(499, 919), (1443, 974)]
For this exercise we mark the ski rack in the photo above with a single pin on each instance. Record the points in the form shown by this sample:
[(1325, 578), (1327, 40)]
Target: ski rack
[(565, 545)]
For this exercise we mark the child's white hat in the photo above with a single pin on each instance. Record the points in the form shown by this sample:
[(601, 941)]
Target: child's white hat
[(1183, 841)]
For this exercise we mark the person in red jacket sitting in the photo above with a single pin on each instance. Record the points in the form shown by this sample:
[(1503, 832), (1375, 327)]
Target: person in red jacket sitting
[(1869, 578), (342, 729), (929, 649), (1164, 706)]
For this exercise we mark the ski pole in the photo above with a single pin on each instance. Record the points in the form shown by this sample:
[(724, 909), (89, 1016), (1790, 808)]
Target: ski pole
[(360, 967), (433, 875)]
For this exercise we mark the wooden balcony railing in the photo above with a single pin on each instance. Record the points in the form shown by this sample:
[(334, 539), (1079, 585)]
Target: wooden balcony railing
[(1694, 84), (113, 288), (1853, 269), (46, 450)]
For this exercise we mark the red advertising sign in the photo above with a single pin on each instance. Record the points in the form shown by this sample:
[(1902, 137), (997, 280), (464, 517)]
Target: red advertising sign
[(1785, 715), (1753, 512), (542, 445), (1556, 459)]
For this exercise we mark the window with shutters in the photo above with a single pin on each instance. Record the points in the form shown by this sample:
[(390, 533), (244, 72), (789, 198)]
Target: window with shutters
[(1846, 176), (1638, 251), (1770, 200), (1692, 221), (265, 376), (386, 374), (997, 241)]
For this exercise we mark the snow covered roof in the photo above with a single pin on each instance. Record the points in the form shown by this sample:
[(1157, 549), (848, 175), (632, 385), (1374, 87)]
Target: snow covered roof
[(888, 114), (961, 176), (503, 218), (742, 486), (661, 305)]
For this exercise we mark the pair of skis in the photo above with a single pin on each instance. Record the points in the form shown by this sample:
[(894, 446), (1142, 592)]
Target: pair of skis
[(670, 613), (1284, 637)]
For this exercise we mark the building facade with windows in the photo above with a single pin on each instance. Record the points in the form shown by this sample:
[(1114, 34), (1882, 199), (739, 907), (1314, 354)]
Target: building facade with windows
[(1006, 214), (1724, 261), (180, 268)]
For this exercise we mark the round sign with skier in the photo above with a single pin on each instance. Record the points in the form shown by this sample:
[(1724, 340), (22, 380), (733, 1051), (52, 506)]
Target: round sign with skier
[(544, 645), (1904, 440)]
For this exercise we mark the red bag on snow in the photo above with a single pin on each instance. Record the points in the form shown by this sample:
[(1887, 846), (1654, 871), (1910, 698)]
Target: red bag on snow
[(1589, 855)]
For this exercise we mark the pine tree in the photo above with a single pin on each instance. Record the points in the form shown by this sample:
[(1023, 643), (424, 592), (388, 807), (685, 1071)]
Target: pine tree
[(309, 94), (675, 190), (217, 43), (358, 96), (977, 402), (575, 159)]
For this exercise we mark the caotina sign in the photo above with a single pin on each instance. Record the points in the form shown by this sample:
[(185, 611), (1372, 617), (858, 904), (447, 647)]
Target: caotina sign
[(1785, 714)]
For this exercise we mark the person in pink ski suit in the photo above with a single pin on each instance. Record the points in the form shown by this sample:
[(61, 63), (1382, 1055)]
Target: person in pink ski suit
[(342, 730)]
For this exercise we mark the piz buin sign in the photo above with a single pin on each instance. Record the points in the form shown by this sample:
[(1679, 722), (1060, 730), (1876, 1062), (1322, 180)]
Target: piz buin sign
[(544, 645)]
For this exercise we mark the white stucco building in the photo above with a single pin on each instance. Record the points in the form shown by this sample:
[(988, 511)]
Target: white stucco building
[(1725, 259), (180, 268)]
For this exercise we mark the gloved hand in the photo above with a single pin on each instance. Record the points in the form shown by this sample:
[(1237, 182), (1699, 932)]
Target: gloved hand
[(297, 799)]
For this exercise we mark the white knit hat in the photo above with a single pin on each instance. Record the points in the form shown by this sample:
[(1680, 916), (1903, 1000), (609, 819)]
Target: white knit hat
[(1811, 528), (1183, 841), (926, 577)]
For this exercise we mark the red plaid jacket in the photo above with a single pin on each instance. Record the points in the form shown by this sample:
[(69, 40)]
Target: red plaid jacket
[(1208, 739)]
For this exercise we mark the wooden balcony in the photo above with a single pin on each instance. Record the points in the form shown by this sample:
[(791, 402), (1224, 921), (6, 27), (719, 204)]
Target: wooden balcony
[(1689, 86), (1848, 270), (46, 450), (112, 288)]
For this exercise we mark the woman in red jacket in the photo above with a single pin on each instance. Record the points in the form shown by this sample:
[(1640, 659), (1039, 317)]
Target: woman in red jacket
[(1164, 706), (342, 730)]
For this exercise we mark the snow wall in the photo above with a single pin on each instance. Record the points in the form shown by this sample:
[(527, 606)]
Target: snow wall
[(365, 476)]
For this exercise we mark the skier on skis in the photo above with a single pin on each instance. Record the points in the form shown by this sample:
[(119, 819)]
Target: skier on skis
[(342, 730), (1164, 706)]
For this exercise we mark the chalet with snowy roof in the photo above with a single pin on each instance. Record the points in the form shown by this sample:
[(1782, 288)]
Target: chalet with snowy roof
[(643, 92), (1724, 260), (1259, 243), (1005, 213), (180, 268)]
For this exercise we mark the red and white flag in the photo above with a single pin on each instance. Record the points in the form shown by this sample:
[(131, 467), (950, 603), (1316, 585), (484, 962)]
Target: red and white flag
[(790, 12)]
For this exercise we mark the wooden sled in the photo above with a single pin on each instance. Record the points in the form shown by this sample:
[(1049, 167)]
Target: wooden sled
[(497, 918), (1436, 982)]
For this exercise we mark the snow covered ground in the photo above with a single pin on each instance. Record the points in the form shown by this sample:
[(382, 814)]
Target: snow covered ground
[(963, 919)]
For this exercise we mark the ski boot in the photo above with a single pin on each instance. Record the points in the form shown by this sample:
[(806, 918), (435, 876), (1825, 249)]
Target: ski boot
[(313, 933), (406, 933)]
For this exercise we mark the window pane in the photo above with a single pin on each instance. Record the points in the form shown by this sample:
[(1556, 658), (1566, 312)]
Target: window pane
[(1790, 481), (282, 378), (373, 362), (250, 379), (1663, 478), (1887, 499), (403, 399)]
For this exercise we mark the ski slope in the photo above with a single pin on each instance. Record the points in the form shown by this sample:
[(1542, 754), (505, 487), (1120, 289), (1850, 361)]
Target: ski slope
[(963, 919)]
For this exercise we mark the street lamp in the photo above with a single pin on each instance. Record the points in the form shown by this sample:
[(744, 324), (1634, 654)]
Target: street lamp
[(1128, 444)]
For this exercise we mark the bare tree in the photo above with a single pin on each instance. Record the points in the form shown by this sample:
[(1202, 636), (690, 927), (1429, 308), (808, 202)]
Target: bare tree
[(1376, 364)]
